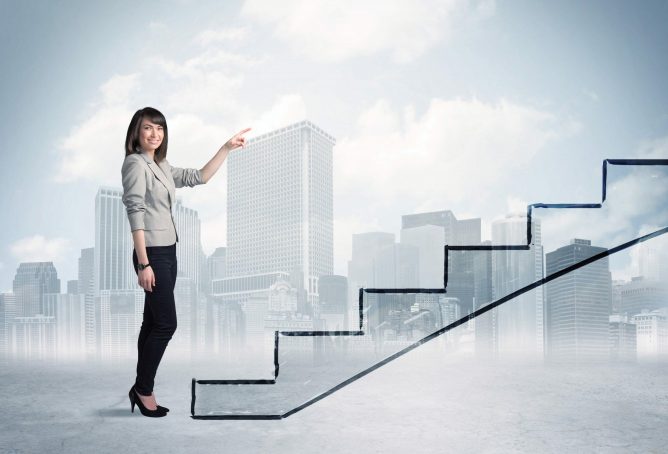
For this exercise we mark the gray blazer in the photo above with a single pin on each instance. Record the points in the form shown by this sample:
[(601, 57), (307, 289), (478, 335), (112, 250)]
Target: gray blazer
[(149, 194)]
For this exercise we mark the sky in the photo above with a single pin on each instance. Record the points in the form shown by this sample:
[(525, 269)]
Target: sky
[(479, 107)]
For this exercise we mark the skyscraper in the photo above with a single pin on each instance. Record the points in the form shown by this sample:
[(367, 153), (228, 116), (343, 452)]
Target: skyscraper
[(32, 281), (86, 283), (217, 263), (643, 294), (280, 205), (579, 304), (7, 314), (429, 241), (397, 266), (68, 311), (189, 246), (113, 243), (486, 325), (520, 321), (460, 263)]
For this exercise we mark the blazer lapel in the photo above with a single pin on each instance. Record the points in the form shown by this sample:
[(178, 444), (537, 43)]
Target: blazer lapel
[(161, 175)]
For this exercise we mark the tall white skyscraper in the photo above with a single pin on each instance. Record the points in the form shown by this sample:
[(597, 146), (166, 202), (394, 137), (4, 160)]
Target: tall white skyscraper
[(189, 246), (280, 205), (113, 243), (520, 321)]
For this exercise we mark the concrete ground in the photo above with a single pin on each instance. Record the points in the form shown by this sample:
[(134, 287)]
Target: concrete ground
[(419, 403)]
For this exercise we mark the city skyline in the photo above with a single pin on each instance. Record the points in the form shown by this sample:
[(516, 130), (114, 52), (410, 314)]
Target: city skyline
[(411, 262)]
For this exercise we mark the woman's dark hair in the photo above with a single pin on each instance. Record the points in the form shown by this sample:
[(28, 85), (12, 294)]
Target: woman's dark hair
[(132, 138)]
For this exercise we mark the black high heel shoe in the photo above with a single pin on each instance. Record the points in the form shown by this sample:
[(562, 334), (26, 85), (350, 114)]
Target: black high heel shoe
[(134, 399)]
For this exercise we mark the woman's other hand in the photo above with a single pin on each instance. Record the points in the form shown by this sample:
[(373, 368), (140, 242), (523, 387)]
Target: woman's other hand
[(147, 279)]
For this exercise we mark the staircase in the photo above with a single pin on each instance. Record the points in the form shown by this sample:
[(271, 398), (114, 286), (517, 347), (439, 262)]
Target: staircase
[(273, 398)]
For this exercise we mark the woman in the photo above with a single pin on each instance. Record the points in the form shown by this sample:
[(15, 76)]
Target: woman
[(149, 182)]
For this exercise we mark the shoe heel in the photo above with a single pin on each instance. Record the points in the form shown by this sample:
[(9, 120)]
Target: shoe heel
[(132, 400)]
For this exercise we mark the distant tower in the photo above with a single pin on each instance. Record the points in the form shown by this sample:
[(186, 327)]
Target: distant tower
[(86, 283), (579, 304), (217, 263), (460, 263), (113, 243), (520, 322), (31, 282)]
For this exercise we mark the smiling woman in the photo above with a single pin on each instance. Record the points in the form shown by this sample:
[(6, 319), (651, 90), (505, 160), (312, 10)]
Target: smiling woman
[(149, 184)]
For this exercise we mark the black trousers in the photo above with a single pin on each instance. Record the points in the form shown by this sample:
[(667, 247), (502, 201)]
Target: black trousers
[(159, 322)]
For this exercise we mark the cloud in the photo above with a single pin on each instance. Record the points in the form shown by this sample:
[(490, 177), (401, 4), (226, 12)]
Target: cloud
[(37, 248), (207, 84), (653, 149), (287, 109), (516, 205), (635, 199), (97, 144), (208, 37), (196, 94), (335, 31), (454, 149)]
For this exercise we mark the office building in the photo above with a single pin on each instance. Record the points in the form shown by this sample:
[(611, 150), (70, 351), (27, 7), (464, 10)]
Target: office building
[(579, 304), (643, 294), (460, 263), (652, 334), (31, 282), (68, 311), (622, 338), (519, 329), (280, 206)]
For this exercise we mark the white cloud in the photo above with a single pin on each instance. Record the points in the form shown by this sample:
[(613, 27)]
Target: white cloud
[(653, 149), (196, 94), (37, 248), (157, 27), (207, 84), (287, 109), (516, 205), (637, 198), (97, 144), (456, 149), (334, 31), (207, 37)]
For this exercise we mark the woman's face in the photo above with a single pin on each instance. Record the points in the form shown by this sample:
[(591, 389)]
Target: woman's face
[(150, 135)]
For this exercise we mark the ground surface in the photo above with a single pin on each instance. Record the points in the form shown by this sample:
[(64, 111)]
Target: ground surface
[(415, 404)]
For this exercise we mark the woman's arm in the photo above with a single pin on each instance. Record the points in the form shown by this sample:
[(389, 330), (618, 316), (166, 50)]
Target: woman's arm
[(146, 276), (211, 167), (134, 188)]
